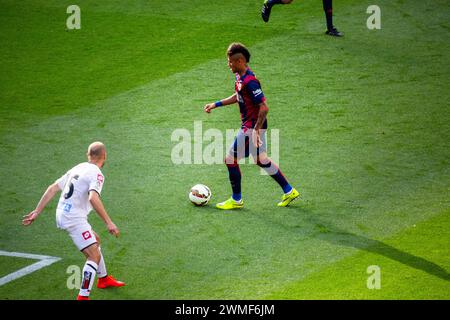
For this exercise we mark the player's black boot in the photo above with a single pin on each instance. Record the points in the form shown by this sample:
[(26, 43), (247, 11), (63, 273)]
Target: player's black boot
[(265, 12), (334, 32)]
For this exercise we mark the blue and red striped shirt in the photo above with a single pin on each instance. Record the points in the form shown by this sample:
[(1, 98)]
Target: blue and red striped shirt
[(250, 96)]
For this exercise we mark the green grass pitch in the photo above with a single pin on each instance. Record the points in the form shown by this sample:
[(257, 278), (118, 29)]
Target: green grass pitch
[(364, 136)]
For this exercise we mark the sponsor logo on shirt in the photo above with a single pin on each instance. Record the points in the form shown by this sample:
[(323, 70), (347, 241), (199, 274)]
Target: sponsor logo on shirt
[(99, 181), (257, 92)]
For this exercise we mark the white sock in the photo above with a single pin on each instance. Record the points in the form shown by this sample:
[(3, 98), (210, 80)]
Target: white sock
[(101, 271), (89, 271)]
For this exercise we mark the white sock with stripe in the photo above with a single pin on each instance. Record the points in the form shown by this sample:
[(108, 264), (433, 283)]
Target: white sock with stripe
[(89, 271)]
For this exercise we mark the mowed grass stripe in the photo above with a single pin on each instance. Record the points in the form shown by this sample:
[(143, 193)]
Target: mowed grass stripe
[(48, 70), (415, 258)]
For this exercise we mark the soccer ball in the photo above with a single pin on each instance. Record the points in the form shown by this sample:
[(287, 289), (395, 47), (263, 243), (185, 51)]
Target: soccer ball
[(200, 195)]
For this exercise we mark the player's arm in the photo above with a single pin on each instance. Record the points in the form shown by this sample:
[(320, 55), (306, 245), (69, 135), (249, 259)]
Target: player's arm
[(48, 195), (262, 115), (97, 204), (224, 102)]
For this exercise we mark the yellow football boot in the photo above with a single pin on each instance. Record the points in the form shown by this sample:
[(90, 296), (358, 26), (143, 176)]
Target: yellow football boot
[(288, 198), (230, 204)]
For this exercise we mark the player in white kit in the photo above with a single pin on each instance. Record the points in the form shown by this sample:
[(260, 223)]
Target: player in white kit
[(81, 187)]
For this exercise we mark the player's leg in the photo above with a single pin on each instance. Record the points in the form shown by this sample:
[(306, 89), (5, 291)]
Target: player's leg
[(263, 161), (235, 176), (328, 9), (101, 271), (290, 193), (272, 169), (89, 270), (105, 280), (238, 150), (267, 7), (84, 239)]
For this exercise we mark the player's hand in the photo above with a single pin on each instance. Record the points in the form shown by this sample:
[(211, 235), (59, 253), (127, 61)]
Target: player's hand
[(208, 107), (256, 138), (29, 218), (112, 228)]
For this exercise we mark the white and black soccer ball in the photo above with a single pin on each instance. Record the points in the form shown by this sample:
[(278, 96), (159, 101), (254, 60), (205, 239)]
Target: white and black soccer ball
[(200, 195)]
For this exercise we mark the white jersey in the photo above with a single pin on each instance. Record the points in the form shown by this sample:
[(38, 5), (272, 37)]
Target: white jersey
[(74, 205)]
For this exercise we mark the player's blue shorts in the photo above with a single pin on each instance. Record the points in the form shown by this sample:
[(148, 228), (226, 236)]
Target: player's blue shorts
[(243, 145)]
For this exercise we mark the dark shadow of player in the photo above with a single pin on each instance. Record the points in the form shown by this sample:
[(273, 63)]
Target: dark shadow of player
[(337, 236)]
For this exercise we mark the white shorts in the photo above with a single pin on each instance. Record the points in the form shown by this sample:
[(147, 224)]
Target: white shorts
[(82, 235)]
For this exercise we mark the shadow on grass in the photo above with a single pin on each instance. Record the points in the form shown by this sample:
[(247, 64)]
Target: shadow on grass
[(335, 235)]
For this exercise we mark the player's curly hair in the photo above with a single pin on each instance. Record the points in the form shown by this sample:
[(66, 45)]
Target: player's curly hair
[(237, 47)]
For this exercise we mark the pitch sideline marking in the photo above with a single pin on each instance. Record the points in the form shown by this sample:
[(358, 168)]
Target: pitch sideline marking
[(43, 262)]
